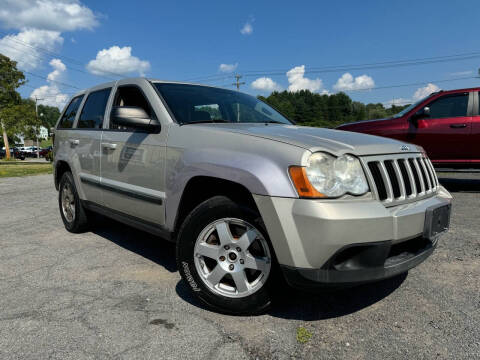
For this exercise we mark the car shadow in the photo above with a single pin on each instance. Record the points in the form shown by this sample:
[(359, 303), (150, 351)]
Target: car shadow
[(142, 243), (288, 303), (329, 303), (324, 304), (460, 185)]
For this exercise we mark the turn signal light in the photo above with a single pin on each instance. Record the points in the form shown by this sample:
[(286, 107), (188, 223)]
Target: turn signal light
[(298, 174)]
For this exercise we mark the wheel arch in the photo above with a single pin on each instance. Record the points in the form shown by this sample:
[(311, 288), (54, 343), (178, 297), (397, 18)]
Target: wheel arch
[(60, 168), (201, 188)]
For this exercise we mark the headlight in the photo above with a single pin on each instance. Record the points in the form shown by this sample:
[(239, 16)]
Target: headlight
[(329, 176)]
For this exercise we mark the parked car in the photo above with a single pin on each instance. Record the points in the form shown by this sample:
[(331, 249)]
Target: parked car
[(446, 124), (248, 197), (14, 152), (43, 152)]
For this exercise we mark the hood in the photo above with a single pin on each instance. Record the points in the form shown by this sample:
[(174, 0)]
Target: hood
[(317, 139)]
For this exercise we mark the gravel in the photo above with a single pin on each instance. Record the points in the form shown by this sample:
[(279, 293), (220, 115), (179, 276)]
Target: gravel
[(115, 293)]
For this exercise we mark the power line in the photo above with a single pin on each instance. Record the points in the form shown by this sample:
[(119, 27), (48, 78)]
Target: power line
[(55, 81), (53, 54), (353, 67)]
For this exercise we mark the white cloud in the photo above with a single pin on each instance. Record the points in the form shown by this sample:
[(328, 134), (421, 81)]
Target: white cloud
[(59, 69), (425, 91), (24, 47), (40, 24), (265, 84), (54, 15), (50, 94), (227, 67), (347, 82), (297, 80), (247, 29), (117, 60), (419, 94), (397, 102)]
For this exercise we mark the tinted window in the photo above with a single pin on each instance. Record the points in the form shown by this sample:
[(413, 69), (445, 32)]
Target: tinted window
[(66, 122), (130, 96), (193, 103), (449, 106), (93, 111)]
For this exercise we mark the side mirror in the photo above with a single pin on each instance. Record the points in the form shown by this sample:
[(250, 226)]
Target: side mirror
[(134, 117), (420, 114)]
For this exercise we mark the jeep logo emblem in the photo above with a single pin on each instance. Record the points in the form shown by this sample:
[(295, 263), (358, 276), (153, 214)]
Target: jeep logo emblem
[(404, 148)]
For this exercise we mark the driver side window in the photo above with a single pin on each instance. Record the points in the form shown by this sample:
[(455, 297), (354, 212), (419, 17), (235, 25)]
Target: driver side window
[(449, 106), (130, 96)]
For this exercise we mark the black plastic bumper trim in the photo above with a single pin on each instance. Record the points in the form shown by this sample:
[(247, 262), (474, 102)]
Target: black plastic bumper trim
[(329, 275), (126, 192)]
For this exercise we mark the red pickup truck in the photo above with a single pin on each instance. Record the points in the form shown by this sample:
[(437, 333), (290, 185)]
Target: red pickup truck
[(445, 123)]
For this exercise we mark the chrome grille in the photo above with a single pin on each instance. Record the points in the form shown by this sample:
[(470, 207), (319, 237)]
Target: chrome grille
[(400, 178)]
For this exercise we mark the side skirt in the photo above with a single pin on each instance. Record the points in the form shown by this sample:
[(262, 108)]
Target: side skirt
[(129, 220)]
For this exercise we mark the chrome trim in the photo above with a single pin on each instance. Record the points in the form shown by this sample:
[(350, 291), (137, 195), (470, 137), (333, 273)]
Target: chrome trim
[(428, 185)]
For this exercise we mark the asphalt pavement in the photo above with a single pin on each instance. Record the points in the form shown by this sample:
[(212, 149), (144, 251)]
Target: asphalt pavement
[(115, 293)]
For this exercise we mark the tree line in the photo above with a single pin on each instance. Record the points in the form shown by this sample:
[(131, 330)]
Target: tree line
[(327, 110), (17, 115)]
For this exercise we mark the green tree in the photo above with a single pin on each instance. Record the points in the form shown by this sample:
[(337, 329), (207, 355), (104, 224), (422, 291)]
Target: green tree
[(16, 114), (312, 109), (50, 115)]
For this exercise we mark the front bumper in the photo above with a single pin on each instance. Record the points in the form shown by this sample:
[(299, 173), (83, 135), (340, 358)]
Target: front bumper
[(348, 240)]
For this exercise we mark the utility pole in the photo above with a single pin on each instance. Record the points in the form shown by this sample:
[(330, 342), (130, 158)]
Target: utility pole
[(237, 83), (36, 133)]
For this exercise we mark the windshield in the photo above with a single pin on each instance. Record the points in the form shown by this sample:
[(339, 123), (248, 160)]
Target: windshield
[(192, 104), (410, 107)]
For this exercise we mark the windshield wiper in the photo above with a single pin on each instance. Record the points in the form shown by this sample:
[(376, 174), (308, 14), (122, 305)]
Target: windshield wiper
[(207, 121), (274, 122)]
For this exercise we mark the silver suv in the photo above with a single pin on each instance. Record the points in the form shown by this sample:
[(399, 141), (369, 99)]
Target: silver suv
[(250, 198)]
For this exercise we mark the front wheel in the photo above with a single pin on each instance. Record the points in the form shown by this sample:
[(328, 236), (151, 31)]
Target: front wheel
[(224, 255)]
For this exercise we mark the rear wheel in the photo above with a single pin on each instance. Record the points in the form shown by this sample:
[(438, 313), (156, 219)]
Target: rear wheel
[(224, 255), (71, 209)]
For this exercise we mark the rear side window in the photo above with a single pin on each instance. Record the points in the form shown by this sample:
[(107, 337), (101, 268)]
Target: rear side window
[(66, 122), (93, 111), (449, 106)]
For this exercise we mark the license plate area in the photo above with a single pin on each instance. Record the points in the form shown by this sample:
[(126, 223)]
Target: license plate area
[(437, 221)]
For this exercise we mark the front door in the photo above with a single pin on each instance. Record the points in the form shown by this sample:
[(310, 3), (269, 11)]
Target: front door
[(446, 132), (133, 162)]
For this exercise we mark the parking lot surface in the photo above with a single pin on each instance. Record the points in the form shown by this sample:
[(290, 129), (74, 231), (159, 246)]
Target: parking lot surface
[(115, 293)]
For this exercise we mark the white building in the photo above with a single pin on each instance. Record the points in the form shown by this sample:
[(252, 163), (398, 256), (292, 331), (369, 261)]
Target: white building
[(43, 133)]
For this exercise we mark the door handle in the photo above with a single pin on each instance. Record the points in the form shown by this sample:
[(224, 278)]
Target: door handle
[(109, 146), (458, 126), (74, 141)]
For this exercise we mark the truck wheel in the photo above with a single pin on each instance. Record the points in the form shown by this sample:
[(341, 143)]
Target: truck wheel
[(225, 257), (71, 209)]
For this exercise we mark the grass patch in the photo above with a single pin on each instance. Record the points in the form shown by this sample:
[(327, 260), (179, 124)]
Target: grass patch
[(303, 335), (17, 168)]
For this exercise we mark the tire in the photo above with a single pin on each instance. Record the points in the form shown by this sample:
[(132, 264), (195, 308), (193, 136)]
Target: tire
[(218, 265), (73, 213)]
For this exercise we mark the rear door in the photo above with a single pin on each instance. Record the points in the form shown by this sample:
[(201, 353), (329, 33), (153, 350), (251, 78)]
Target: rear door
[(447, 131), (65, 134), (86, 140), (133, 161)]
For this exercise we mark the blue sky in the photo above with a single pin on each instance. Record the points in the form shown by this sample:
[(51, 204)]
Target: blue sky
[(67, 44)]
